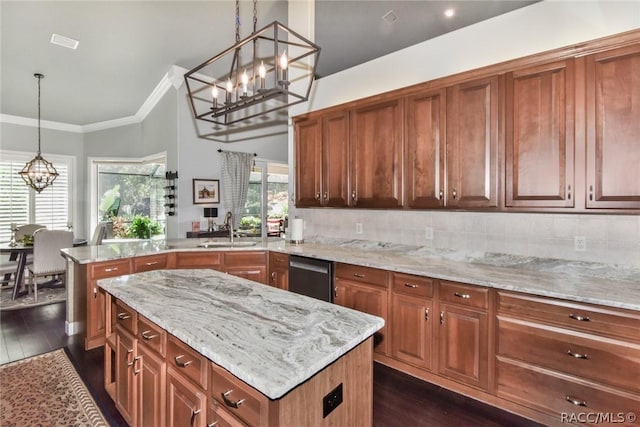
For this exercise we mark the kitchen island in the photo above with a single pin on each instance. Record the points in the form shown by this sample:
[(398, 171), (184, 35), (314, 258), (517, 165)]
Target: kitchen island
[(299, 354)]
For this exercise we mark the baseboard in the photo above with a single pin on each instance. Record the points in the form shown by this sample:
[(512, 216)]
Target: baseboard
[(73, 328)]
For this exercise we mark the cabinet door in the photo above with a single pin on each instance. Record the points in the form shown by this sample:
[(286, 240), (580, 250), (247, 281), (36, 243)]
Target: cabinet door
[(539, 136), (412, 331), (613, 129), (472, 144), (151, 389), (308, 147), (96, 316), (376, 155), (368, 299), (463, 343), (126, 365), (279, 279), (185, 402), (335, 159), (425, 150), (256, 273)]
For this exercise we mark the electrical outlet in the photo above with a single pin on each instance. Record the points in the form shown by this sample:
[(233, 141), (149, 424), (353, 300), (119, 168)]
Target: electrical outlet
[(579, 243), (358, 228), (428, 233)]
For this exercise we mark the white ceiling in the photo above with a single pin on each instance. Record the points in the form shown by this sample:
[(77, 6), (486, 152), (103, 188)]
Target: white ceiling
[(126, 47)]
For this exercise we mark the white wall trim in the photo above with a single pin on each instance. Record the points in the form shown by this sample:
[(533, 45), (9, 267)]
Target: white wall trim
[(173, 78)]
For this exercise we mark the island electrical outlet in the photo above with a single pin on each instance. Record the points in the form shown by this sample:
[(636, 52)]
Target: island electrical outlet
[(331, 401)]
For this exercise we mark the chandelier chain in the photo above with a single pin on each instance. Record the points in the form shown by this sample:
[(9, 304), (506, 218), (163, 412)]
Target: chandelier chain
[(237, 21), (255, 15), (39, 76)]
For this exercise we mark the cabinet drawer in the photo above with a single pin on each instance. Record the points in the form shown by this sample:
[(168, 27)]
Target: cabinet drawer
[(152, 335), (612, 362), (209, 259), (147, 263), (615, 323), (126, 317), (219, 417), (238, 398), (371, 276), (457, 293), (412, 285), (278, 260), (103, 270), (242, 259), (557, 394), (187, 361)]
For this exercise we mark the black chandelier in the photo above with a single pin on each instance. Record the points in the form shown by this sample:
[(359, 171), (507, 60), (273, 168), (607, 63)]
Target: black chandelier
[(271, 69), (38, 173)]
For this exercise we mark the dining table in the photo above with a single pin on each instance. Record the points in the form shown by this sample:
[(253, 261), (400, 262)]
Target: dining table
[(19, 252)]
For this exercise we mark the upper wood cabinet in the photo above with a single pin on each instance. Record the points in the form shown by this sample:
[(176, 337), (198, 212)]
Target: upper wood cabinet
[(308, 146), (472, 144), (613, 129), (376, 154), (425, 149), (539, 136)]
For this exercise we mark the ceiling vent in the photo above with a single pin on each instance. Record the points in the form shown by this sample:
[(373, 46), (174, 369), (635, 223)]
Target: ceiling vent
[(64, 41), (390, 17)]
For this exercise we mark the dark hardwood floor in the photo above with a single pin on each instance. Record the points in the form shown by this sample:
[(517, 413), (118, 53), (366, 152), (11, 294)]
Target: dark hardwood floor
[(399, 399)]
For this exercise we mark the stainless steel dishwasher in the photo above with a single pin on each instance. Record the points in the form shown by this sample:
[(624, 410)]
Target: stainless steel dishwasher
[(311, 277)]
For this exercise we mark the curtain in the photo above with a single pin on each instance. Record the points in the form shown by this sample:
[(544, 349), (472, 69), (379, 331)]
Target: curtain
[(236, 170)]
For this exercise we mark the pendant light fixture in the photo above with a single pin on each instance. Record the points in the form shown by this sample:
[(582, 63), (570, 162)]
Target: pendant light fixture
[(271, 69), (38, 173)]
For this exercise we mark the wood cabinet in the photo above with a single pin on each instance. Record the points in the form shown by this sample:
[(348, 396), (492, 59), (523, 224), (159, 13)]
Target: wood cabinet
[(96, 300), (126, 375), (412, 337), (472, 144), (464, 334), (248, 265), (376, 154), (559, 357), (364, 289), (149, 262), (186, 403), (152, 376), (322, 160), (204, 259), (279, 270), (613, 128), (539, 136), (425, 149)]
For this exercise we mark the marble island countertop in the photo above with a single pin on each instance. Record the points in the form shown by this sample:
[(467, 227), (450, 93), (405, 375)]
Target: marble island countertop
[(597, 283), (271, 339)]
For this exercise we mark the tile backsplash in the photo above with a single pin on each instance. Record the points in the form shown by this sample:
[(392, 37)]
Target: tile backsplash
[(613, 239)]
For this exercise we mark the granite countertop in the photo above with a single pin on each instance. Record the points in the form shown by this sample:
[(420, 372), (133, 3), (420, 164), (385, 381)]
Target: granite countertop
[(271, 339), (597, 283)]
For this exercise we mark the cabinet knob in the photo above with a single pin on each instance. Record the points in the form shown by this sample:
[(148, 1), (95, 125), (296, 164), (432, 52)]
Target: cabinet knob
[(569, 192), (426, 314), (440, 195), (353, 195), (318, 195), (442, 317), (591, 193), (326, 196), (454, 194)]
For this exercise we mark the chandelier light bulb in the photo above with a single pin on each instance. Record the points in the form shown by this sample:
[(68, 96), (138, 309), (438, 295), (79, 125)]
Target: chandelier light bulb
[(262, 71), (214, 95), (245, 82), (284, 63), (229, 90)]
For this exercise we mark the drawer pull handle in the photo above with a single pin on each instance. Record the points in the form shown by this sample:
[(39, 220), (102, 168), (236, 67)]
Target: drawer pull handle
[(95, 292), (359, 275), (577, 355), (135, 359), (442, 317), (213, 424), (123, 316), (109, 270), (426, 314), (464, 296), (152, 263), (411, 285), (182, 364), (575, 401), (146, 336), (580, 318), (230, 402), (194, 413)]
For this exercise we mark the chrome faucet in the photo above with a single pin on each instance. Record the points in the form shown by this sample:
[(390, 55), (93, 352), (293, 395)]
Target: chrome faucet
[(228, 221)]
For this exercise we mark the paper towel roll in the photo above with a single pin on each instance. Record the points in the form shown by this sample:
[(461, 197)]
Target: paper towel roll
[(296, 228)]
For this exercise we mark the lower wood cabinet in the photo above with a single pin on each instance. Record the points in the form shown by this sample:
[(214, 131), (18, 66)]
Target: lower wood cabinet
[(279, 270), (126, 375), (151, 388), (186, 402), (248, 265)]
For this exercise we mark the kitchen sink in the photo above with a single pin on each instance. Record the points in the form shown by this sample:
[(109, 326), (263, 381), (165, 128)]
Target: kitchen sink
[(226, 244)]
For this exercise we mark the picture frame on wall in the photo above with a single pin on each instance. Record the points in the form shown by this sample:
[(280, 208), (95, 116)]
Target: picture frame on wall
[(206, 191)]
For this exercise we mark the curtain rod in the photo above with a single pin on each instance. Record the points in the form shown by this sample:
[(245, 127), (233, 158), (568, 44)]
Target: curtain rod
[(220, 151)]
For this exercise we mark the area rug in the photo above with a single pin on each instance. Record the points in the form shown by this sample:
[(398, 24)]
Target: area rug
[(46, 390), (45, 296)]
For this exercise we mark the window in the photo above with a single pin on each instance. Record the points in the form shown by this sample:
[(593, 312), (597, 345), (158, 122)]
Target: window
[(23, 205), (274, 196), (129, 188)]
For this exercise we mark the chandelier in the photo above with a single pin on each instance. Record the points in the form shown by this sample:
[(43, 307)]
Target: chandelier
[(38, 173), (271, 69)]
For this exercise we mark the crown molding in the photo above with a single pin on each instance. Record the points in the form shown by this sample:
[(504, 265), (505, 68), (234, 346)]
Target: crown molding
[(173, 78)]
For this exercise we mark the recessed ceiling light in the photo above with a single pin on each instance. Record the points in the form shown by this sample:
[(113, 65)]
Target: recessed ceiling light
[(449, 12), (390, 17), (63, 41)]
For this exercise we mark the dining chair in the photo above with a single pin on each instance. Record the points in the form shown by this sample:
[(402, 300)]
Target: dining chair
[(99, 233), (27, 229), (47, 260)]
